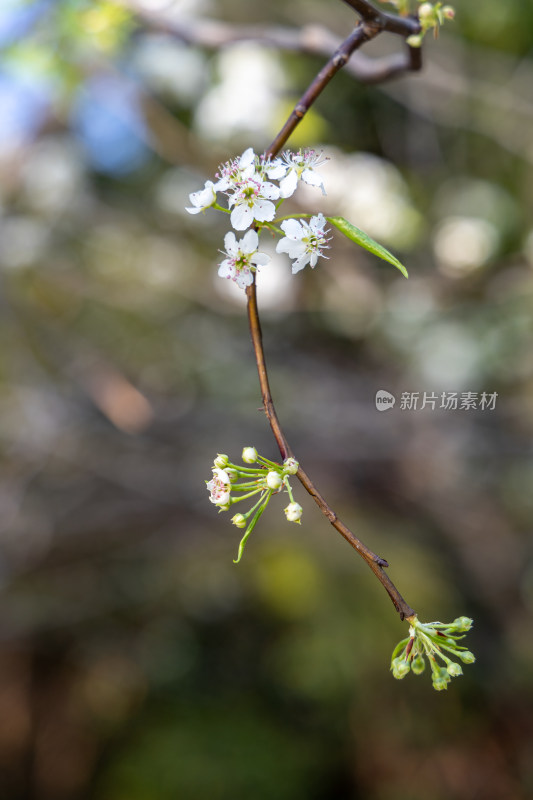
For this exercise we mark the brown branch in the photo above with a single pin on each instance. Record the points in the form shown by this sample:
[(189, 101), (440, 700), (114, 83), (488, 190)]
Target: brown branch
[(363, 32)]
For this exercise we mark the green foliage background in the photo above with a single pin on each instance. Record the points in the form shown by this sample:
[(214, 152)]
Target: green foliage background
[(137, 661)]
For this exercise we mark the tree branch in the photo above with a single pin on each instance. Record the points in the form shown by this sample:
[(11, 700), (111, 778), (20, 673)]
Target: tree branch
[(366, 30)]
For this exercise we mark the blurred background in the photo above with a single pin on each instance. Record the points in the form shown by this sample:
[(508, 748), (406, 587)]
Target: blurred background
[(137, 662)]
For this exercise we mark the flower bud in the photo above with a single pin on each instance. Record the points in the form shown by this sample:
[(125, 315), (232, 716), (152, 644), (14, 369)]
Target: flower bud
[(440, 683), (415, 40), (418, 665), (239, 520), (462, 624), (399, 668), (221, 460), (274, 480), (466, 656), (426, 12), (448, 12), (290, 466), (232, 474), (454, 669), (293, 512), (249, 455)]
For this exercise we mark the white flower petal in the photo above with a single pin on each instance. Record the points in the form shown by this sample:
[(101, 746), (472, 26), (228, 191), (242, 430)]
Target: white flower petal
[(288, 184), (263, 211), (269, 191), (260, 259), (194, 210), (318, 223), (249, 242), (230, 243), (276, 169), (299, 264), (289, 246), (313, 179), (292, 228), (244, 278), (247, 158), (226, 269), (242, 217)]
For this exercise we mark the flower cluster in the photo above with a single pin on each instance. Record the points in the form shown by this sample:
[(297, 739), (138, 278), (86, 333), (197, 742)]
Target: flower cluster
[(263, 480), (433, 640), (253, 199), (431, 16)]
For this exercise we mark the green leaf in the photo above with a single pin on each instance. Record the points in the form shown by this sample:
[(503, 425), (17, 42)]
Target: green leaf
[(364, 240)]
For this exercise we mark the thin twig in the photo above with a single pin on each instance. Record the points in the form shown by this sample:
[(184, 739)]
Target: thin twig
[(366, 30)]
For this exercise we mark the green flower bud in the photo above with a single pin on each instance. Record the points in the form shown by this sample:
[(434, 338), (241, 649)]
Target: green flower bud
[(418, 665), (274, 480), (448, 12), (290, 466), (455, 669), (232, 475), (415, 40), (462, 624), (239, 520), (221, 461), (399, 668), (466, 656), (439, 684), (249, 455)]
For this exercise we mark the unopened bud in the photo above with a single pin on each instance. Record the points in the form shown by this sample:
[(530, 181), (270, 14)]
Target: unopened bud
[(249, 455), (418, 665), (466, 656), (293, 512), (274, 480), (454, 669), (448, 12), (426, 12), (400, 668), (239, 520), (462, 624), (415, 40), (290, 466), (221, 460)]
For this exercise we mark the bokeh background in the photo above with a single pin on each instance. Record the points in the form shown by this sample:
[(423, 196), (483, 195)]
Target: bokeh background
[(137, 662)]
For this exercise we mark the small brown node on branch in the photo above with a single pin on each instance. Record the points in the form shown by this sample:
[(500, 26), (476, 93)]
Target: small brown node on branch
[(340, 60), (300, 111)]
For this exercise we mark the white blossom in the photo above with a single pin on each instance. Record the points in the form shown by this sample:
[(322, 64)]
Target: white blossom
[(220, 487), (242, 258), (303, 241), (202, 199), (249, 194), (295, 166)]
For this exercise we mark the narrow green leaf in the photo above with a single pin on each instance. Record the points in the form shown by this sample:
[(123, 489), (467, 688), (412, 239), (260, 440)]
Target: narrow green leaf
[(364, 240)]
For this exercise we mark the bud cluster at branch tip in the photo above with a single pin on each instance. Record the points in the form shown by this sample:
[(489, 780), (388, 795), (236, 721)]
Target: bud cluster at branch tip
[(433, 641), (231, 484), (431, 17)]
